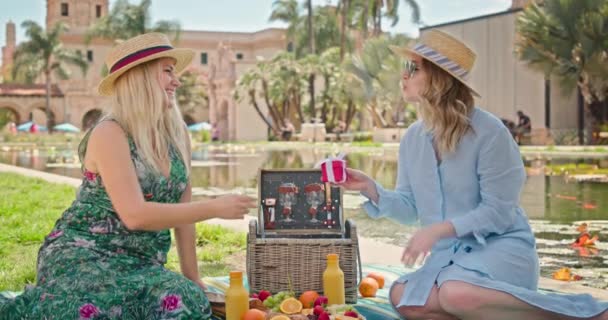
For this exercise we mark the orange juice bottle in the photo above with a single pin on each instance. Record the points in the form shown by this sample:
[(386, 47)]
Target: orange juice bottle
[(237, 297), (333, 281)]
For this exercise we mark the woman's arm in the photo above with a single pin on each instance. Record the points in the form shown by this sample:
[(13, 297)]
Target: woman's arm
[(108, 155), (185, 236), (398, 205)]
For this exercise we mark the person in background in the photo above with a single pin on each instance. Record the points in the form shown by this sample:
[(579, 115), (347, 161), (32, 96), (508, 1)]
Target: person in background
[(460, 175), (105, 257), (287, 130), (215, 132), (524, 125)]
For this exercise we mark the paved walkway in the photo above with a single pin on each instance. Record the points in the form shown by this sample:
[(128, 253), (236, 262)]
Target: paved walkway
[(372, 251)]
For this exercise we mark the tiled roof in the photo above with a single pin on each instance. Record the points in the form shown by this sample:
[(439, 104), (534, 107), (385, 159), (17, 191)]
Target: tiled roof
[(28, 90)]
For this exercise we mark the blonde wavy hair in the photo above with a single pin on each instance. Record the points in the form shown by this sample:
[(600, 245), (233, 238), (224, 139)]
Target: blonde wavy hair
[(139, 106), (445, 107)]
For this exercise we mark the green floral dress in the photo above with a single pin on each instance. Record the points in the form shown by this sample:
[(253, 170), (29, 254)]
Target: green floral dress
[(92, 267)]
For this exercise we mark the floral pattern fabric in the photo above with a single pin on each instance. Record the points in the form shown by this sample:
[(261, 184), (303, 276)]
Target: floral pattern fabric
[(91, 266)]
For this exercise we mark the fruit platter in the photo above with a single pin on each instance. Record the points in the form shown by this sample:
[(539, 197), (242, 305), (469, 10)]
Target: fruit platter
[(285, 305), (308, 306)]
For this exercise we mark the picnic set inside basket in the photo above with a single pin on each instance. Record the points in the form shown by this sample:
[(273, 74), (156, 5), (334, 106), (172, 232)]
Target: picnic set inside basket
[(300, 221)]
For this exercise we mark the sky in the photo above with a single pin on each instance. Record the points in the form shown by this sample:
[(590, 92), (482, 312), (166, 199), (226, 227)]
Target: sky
[(251, 15)]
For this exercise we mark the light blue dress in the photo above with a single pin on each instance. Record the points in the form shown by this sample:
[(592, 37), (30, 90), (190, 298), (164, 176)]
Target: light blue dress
[(477, 188)]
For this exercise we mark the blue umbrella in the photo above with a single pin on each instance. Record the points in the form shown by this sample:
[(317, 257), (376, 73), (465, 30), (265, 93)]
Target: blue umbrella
[(199, 126), (66, 127), (26, 127)]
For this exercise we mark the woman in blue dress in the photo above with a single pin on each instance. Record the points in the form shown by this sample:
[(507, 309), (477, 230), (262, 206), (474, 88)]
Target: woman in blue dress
[(460, 175)]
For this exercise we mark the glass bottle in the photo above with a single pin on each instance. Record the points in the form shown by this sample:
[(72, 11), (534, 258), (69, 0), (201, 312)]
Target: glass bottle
[(333, 281), (237, 297)]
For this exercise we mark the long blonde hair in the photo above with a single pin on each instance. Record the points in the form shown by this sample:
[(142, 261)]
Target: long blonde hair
[(139, 106), (444, 108)]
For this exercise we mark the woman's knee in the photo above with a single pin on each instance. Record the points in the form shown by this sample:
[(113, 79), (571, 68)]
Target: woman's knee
[(413, 312), (457, 297)]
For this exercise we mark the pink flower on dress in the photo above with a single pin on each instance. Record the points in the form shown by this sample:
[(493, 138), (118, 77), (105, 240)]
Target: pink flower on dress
[(55, 234), (88, 311), (171, 302), (91, 176), (98, 229), (84, 243)]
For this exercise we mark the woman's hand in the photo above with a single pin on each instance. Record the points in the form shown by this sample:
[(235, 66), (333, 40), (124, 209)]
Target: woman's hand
[(356, 180), (233, 206), (423, 240)]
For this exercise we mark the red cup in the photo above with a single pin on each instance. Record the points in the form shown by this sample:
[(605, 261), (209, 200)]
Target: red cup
[(333, 170)]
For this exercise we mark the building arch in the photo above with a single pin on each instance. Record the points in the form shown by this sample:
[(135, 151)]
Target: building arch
[(37, 113), (13, 113)]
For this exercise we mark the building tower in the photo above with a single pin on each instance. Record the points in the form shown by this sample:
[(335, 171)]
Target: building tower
[(77, 14), (8, 50)]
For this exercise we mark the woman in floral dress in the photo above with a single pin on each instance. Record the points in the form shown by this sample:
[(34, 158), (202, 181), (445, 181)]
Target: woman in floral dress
[(105, 257)]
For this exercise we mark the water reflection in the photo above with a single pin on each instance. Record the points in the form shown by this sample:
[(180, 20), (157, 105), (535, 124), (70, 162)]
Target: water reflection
[(551, 198)]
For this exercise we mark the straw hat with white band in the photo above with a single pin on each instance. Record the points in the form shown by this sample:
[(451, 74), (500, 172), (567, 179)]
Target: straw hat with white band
[(138, 50), (444, 51)]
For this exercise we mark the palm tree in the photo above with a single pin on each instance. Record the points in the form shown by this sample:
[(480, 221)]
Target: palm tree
[(375, 10), (128, 20), (568, 39), (378, 72), (43, 54), (286, 11)]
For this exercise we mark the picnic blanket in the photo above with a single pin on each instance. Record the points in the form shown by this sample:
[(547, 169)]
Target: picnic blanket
[(376, 308)]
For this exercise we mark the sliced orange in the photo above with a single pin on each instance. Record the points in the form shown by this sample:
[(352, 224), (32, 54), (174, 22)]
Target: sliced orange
[(280, 317), (291, 306), (307, 312)]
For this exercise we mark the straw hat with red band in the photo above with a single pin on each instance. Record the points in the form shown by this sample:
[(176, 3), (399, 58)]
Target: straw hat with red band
[(446, 52), (138, 50)]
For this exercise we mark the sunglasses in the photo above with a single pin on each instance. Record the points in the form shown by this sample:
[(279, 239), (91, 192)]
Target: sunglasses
[(409, 68)]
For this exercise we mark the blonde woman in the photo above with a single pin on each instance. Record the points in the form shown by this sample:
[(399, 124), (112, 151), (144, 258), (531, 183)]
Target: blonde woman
[(460, 175), (105, 257)]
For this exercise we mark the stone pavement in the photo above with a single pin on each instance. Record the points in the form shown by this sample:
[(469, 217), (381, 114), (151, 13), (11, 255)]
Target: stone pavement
[(372, 251)]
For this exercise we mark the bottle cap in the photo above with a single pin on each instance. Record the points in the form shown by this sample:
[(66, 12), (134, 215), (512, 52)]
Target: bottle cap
[(332, 256), (236, 274)]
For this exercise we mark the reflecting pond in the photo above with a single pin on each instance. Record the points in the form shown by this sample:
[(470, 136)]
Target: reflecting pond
[(554, 203)]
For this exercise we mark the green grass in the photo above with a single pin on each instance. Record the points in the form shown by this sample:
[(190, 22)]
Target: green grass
[(29, 208)]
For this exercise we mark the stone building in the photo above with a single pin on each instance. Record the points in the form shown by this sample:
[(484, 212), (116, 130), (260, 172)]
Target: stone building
[(220, 58), (507, 84)]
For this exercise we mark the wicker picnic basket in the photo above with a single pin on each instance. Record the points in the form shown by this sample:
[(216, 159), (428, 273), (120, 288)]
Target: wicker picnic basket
[(278, 264)]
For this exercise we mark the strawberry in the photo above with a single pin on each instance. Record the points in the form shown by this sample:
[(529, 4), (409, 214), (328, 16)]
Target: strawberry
[(351, 313), (321, 301), (318, 310), (323, 316), (263, 294)]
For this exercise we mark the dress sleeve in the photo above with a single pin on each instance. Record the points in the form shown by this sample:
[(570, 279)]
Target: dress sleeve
[(398, 205), (501, 176)]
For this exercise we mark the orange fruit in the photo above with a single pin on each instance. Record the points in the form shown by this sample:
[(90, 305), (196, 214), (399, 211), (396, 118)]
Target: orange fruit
[(308, 298), (307, 312), (280, 317), (379, 278), (291, 306), (254, 314), (368, 287)]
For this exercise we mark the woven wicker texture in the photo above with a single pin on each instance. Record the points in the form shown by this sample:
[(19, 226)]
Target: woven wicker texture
[(272, 263)]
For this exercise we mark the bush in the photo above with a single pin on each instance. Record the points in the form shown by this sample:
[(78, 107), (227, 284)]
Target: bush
[(364, 136)]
